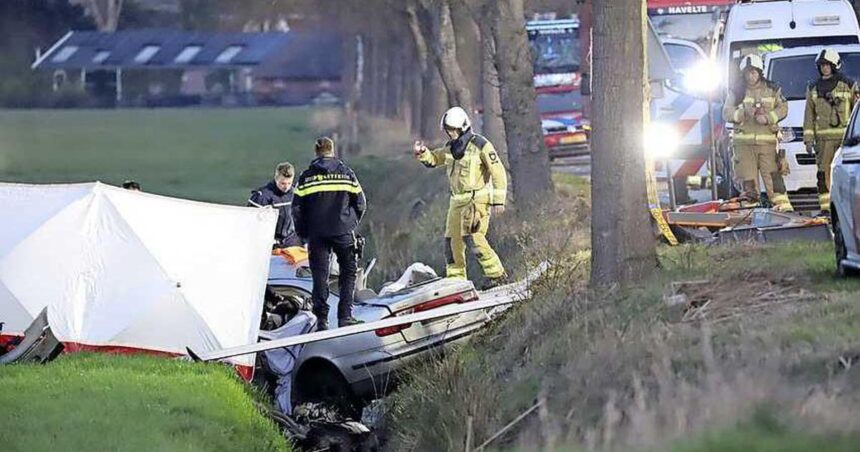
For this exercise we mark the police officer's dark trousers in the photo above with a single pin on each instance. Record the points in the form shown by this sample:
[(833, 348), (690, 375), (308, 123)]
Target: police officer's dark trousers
[(319, 251)]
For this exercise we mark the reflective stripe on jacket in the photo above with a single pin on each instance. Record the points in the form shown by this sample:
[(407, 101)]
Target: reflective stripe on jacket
[(329, 199), (472, 174), (826, 118), (763, 99)]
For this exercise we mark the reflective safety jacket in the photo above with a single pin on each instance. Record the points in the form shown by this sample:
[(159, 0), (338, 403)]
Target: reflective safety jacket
[(478, 174), (827, 117), (329, 200), (765, 98)]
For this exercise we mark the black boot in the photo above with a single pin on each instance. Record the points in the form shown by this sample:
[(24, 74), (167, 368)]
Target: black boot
[(349, 321), (322, 321), (491, 283), (322, 324), (750, 194)]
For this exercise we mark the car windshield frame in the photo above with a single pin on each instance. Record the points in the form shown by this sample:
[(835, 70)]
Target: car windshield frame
[(698, 28), (738, 49), (802, 71), (682, 62)]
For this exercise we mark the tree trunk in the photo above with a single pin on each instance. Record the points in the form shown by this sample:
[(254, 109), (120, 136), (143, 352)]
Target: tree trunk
[(395, 83), (439, 31), (369, 91), (381, 63), (622, 248), (433, 104), (491, 116), (404, 88), (354, 79), (415, 98), (106, 13), (528, 157), (377, 76), (411, 92), (430, 100)]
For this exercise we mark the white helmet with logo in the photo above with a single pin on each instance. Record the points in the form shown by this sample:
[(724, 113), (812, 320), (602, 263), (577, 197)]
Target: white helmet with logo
[(752, 61), (457, 119), (830, 56)]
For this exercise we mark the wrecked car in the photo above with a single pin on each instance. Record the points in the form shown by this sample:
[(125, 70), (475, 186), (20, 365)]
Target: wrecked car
[(36, 345), (349, 371)]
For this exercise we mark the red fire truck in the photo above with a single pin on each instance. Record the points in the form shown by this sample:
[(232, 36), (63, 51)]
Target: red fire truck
[(556, 51)]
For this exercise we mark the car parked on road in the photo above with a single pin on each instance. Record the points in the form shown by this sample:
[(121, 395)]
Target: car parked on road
[(845, 200), (566, 133)]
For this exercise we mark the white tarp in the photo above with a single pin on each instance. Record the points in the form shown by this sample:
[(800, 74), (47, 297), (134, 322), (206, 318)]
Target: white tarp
[(281, 361), (129, 269)]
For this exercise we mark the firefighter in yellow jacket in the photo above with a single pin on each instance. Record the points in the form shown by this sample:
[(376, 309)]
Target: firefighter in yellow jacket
[(755, 108), (478, 184), (829, 101)]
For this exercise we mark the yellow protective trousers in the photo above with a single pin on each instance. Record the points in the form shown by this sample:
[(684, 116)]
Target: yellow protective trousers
[(825, 150), (467, 224), (752, 160)]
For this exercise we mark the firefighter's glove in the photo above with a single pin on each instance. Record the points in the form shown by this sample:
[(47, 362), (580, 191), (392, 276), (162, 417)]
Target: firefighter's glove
[(749, 113), (497, 209), (761, 119), (419, 149), (810, 149)]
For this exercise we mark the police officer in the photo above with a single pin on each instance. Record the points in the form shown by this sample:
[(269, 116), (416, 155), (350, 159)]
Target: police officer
[(328, 206), (829, 101), (278, 193), (478, 185), (756, 107)]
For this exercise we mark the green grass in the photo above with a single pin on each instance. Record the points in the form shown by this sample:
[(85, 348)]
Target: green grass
[(130, 403), (766, 432), (781, 327), (215, 155)]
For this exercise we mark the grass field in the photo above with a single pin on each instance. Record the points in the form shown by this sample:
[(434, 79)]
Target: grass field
[(765, 360), (130, 403), (216, 155)]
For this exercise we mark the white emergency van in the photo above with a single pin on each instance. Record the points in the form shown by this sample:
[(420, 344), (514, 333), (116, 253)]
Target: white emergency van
[(766, 26), (794, 69)]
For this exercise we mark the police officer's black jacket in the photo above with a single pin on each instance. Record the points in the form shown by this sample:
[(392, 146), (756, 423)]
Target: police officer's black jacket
[(329, 200), (271, 195)]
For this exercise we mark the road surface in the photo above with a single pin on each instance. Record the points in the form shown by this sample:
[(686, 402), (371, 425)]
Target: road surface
[(581, 166)]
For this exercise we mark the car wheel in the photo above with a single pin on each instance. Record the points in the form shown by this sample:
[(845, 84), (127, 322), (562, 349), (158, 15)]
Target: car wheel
[(323, 383), (335, 437), (841, 250)]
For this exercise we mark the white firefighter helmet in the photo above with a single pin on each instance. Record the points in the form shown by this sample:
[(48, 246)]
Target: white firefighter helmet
[(752, 61), (829, 56), (457, 119)]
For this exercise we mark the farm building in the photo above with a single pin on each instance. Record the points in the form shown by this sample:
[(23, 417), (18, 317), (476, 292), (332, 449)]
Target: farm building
[(154, 67)]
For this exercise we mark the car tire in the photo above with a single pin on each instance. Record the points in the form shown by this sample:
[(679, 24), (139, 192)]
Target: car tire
[(840, 249), (334, 437), (324, 384)]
